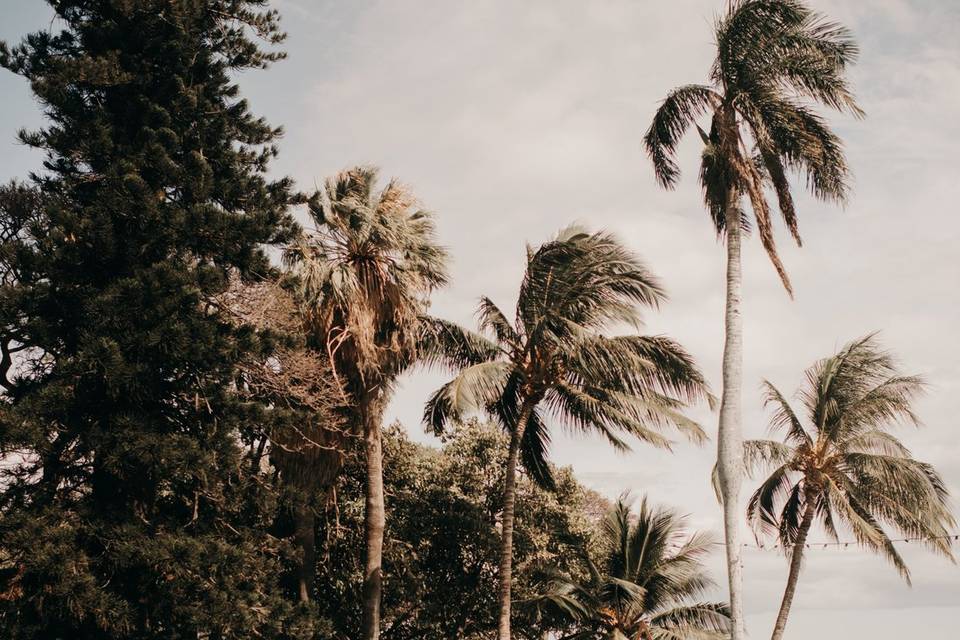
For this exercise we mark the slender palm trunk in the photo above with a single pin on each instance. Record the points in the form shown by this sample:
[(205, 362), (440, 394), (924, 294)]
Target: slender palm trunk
[(506, 544), (374, 524), (305, 536), (730, 436), (796, 560)]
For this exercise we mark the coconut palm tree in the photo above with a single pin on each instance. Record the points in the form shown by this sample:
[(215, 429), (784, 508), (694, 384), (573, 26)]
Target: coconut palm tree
[(774, 59), (844, 467), (365, 276), (553, 360), (646, 584)]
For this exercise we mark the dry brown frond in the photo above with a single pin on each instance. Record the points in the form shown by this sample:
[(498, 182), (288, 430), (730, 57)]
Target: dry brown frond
[(294, 377)]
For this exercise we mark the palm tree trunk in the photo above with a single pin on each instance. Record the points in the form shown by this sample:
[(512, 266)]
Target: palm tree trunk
[(506, 544), (730, 435), (305, 536), (374, 524), (796, 560)]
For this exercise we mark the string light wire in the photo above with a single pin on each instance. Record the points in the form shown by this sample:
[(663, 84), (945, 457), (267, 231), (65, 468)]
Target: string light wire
[(839, 544)]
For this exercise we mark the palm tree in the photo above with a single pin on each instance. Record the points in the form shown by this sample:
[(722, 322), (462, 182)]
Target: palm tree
[(365, 276), (646, 586), (553, 361), (845, 467), (774, 58)]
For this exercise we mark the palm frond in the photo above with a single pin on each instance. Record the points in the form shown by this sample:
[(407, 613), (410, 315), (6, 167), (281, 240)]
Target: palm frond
[(801, 140), (597, 410), (444, 343), (864, 526), (700, 620), (760, 454), (637, 364), (751, 182), (788, 522), (784, 417), (493, 320), (556, 592), (581, 283), (676, 113), (474, 389), (762, 505), (535, 452)]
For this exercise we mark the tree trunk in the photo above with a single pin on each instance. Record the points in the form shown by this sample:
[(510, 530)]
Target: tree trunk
[(796, 560), (374, 525), (730, 435), (506, 545), (305, 536)]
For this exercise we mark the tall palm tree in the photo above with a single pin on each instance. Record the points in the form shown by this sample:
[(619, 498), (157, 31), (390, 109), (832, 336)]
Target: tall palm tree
[(646, 584), (554, 361), (844, 467), (774, 58), (365, 276)]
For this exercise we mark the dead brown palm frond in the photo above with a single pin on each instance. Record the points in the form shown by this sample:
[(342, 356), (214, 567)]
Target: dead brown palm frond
[(309, 450)]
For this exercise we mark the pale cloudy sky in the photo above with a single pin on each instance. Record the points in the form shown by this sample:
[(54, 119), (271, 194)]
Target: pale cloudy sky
[(511, 120)]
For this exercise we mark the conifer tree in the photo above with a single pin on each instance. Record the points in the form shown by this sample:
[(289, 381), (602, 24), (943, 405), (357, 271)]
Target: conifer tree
[(126, 509)]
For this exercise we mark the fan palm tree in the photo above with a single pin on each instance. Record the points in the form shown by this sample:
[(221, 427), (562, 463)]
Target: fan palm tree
[(774, 58), (646, 585), (553, 361), (844, 467), (365, 276)]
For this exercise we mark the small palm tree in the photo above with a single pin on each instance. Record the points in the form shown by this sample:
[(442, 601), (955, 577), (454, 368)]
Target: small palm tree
[(646, 585), (774, 57), (844, 467), (365, 277), (553, 361)]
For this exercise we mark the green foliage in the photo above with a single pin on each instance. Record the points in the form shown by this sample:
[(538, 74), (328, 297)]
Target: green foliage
[(644, 579), (844, 464), (440, 553), (127, 511)]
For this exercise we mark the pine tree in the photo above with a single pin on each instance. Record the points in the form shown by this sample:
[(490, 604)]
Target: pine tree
[(126, 508)]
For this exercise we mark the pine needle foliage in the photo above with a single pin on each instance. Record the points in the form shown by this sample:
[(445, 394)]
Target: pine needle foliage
[(127, 510)]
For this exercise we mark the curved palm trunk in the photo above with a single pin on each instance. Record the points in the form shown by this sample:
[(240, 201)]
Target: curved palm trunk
[(796, 560), (506, 544), (305, 537), (730, 435), (374, 522)]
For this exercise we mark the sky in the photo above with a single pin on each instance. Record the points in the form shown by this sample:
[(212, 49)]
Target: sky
[(511, 120)]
